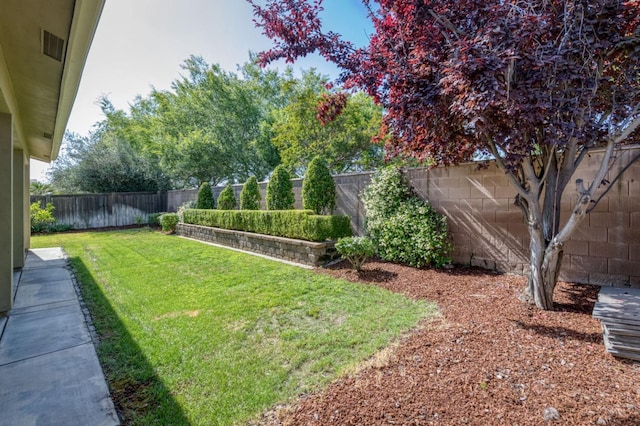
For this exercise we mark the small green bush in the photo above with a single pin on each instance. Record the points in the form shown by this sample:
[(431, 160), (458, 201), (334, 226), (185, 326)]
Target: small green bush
[(205, 197), (42, 220), (299, 224), (168, 221), (227, 199), (318, 187), (356, 250), (280, 190), (250, 195), (403, 227), (153, 219), (60, 227)]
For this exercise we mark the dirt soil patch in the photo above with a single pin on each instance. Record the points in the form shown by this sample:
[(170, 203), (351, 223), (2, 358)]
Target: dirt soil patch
[(489, 359)]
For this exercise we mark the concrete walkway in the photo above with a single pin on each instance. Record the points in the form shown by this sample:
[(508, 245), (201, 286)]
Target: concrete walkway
[(49, 370)]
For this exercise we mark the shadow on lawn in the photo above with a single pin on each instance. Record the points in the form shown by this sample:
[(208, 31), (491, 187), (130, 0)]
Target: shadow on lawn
[(138, 394)]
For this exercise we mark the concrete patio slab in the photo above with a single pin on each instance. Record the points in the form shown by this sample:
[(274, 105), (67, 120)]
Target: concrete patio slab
[(44, 292), (39, 275), (48, 258), (37, 308), (41, 332), (49, 370), (61, 388), (36, 263), (46, 254)]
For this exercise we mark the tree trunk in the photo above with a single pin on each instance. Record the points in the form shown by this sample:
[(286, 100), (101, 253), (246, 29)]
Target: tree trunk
[(545, 264)]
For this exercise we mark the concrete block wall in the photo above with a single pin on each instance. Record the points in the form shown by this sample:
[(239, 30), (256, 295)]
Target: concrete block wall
[(605, 250), (488, 230), (299, 251)]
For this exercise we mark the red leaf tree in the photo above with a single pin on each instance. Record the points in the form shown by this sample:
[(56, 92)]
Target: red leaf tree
[(536, 85)]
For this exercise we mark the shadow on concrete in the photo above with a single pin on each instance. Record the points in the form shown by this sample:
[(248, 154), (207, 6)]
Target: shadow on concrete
[(138, 394)]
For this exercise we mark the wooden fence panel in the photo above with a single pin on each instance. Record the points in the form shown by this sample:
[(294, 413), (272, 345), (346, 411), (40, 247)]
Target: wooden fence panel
[(86, 211)]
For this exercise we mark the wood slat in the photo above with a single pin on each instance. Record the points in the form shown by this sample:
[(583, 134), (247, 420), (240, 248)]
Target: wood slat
[(105, 210), (618, 309)]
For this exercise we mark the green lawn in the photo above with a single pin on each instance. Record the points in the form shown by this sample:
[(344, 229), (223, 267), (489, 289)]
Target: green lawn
[(195, 334)]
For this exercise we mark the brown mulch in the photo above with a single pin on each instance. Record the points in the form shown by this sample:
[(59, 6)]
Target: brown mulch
[(488, 359)]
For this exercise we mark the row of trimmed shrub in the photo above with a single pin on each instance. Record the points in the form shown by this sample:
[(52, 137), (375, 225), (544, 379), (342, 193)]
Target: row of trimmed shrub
[(298, 224)]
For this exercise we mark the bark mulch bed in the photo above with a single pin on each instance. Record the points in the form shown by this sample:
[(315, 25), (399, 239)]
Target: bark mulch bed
[(488, 359)]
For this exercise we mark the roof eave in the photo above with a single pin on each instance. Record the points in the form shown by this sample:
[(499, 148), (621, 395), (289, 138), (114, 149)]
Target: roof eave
[(86, 16)]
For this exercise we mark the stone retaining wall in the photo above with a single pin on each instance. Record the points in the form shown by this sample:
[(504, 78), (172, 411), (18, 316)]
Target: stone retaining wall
[(299, 251)]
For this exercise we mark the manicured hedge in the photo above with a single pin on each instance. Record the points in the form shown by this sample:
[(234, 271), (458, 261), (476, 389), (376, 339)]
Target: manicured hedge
[(299, 224)]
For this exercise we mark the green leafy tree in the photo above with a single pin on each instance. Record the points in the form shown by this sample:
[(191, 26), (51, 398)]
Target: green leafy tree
[(227, 199), (103, 162), (318, 187), (40, 188), (280, 194), (205, 197), (345, 143), (211, 123), (250, 195)]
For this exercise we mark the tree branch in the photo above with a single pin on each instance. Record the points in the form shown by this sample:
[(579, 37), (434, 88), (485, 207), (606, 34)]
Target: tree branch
[(612, 181), (633, 125), (522, 191)]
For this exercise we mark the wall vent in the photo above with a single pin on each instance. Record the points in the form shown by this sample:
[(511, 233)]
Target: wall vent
[(52, 46), (47, 135)]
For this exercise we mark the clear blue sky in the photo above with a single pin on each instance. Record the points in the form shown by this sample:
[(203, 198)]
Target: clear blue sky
[(140, 44)]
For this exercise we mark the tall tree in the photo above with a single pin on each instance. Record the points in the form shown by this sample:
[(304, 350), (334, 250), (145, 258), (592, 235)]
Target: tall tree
[(280, 194), (345, 142), (102, 162), (537, 85), (211, 124), (250, 195), (318, 188)]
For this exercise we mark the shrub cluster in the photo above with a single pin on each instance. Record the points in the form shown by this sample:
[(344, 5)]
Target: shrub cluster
[(356, 250), (280, 190), (168, 221), (227, 199), (250, 195), (43, 221), (403, 227), (153, 219), (318, 187), (205, 197), (299, 224)]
